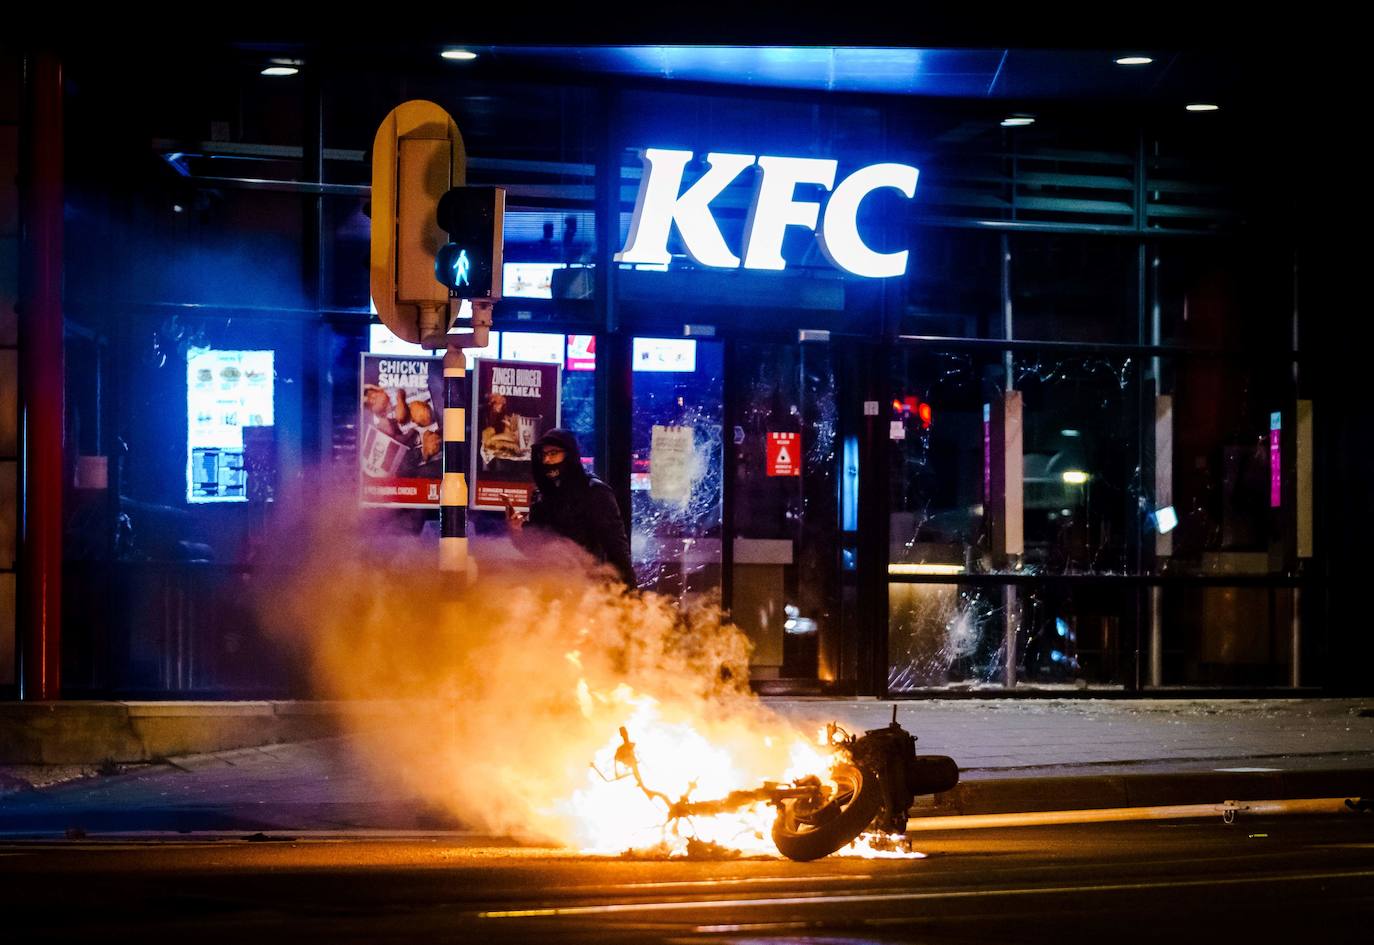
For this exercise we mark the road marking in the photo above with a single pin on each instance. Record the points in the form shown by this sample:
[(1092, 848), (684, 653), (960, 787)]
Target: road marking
[(1099, 815), (729, 882), (823, 899), (359, 833)]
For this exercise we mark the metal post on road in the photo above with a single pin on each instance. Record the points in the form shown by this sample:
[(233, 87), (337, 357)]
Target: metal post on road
[(41, 385), (453, 494)]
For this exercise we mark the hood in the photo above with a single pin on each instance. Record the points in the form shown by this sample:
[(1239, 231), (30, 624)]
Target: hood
[(571, 472)]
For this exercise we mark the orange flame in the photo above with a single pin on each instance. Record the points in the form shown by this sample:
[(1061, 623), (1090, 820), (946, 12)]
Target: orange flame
[(514, 686)]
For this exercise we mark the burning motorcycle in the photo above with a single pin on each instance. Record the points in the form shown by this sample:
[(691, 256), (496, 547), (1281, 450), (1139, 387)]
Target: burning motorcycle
[(874, 780)]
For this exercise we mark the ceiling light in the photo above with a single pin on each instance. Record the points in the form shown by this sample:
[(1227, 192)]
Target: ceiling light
[(459, 55), (1017, 121), (1075, 477), (1069, 433), (280, 70), (1202, 107), (1134, 61)]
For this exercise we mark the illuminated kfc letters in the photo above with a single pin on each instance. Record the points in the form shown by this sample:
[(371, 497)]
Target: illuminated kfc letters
[(661, 204)]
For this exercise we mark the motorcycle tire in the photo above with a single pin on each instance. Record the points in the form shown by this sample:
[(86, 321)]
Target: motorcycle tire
[(859, 799)]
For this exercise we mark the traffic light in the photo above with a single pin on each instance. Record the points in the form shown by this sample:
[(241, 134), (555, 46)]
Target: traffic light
[(470, 263), (417, 155)]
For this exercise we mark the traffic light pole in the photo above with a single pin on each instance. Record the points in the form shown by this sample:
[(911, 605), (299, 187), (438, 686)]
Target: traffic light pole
[(453, 494)]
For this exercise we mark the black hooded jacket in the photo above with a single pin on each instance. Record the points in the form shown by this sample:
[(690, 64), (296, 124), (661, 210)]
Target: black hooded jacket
[(579, 507)]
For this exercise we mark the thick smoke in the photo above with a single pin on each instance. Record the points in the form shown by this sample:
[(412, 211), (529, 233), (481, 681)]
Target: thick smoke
[(508, 687)]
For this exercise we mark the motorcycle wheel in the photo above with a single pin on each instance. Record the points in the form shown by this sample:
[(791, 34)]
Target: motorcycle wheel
[(804, 838)]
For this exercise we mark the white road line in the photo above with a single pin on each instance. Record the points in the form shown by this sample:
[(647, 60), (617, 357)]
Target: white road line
[(728, 882), (1098, 815), (822, 898)]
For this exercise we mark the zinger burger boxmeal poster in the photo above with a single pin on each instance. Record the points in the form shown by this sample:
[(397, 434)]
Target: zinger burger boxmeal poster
[(516, 402)]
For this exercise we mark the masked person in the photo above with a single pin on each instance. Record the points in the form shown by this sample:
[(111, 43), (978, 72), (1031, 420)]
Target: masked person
[(572, 504)]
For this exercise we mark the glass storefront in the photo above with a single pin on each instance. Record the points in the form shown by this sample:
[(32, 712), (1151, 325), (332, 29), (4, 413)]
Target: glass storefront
[(1064, 449)]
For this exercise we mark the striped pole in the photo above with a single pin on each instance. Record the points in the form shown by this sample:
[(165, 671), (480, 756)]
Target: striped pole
[(453, 494)]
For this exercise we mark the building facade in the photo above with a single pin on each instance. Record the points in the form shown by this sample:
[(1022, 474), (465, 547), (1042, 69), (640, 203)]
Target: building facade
[(1078, 442)]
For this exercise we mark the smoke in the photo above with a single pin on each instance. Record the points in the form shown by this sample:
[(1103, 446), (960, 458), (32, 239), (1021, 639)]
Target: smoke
[(510, 687)]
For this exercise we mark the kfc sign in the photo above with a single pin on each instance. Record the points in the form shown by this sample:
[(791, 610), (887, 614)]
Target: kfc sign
[(661, 204)]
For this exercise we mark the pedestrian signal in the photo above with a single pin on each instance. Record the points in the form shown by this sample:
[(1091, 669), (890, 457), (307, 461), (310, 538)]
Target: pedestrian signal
[(470, 263)]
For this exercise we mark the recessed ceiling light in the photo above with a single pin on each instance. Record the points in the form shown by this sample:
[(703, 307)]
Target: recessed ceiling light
[(459, 55), (1017, 121), (280, 70), (1134, 61), (1202, 107)]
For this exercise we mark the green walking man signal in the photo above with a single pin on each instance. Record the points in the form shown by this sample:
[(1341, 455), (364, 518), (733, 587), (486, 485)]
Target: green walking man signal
[(470, 263)]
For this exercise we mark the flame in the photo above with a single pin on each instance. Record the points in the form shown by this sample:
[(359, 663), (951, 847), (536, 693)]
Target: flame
[(512, 688), (678, 759), (613, 815)]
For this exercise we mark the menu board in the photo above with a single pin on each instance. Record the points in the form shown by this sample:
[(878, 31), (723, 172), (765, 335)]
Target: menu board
[(665, 354), (226, 391)]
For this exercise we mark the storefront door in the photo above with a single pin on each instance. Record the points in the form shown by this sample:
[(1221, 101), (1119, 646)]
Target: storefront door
[(738, 441)]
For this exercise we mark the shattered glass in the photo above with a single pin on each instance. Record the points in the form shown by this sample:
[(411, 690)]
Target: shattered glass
[(675, 532), (1082, 490)]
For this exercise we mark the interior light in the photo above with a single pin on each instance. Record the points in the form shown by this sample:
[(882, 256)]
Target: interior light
[(1017, 121), (459, 55), (1075, 477), (1069, 433), (1166, 519), (925, 569), (280, 70), (1134, 61), (1202, 107)]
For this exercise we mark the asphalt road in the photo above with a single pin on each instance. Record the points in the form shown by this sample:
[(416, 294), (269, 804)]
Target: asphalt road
[(1294, 880)]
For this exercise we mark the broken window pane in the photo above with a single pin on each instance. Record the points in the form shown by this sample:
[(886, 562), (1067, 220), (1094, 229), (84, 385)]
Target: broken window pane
[(675, 478)]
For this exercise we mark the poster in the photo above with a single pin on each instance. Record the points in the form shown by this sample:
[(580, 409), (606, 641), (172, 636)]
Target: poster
[(514, 403), (784, 454), (1275, 462), (226, 392), (581, 353), (400, 437), (672, 465)]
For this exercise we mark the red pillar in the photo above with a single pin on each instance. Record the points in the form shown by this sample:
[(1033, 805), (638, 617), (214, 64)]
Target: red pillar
[(41, 375)]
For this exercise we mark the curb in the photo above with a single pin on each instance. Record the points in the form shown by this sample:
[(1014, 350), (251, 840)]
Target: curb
[(94, 733), (1090, 792)]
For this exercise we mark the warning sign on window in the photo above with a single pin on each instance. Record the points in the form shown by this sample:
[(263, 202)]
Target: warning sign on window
[(784, 454)]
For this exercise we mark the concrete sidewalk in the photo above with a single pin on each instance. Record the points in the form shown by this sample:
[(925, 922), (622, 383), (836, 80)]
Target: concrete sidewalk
[(1016, 755)]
